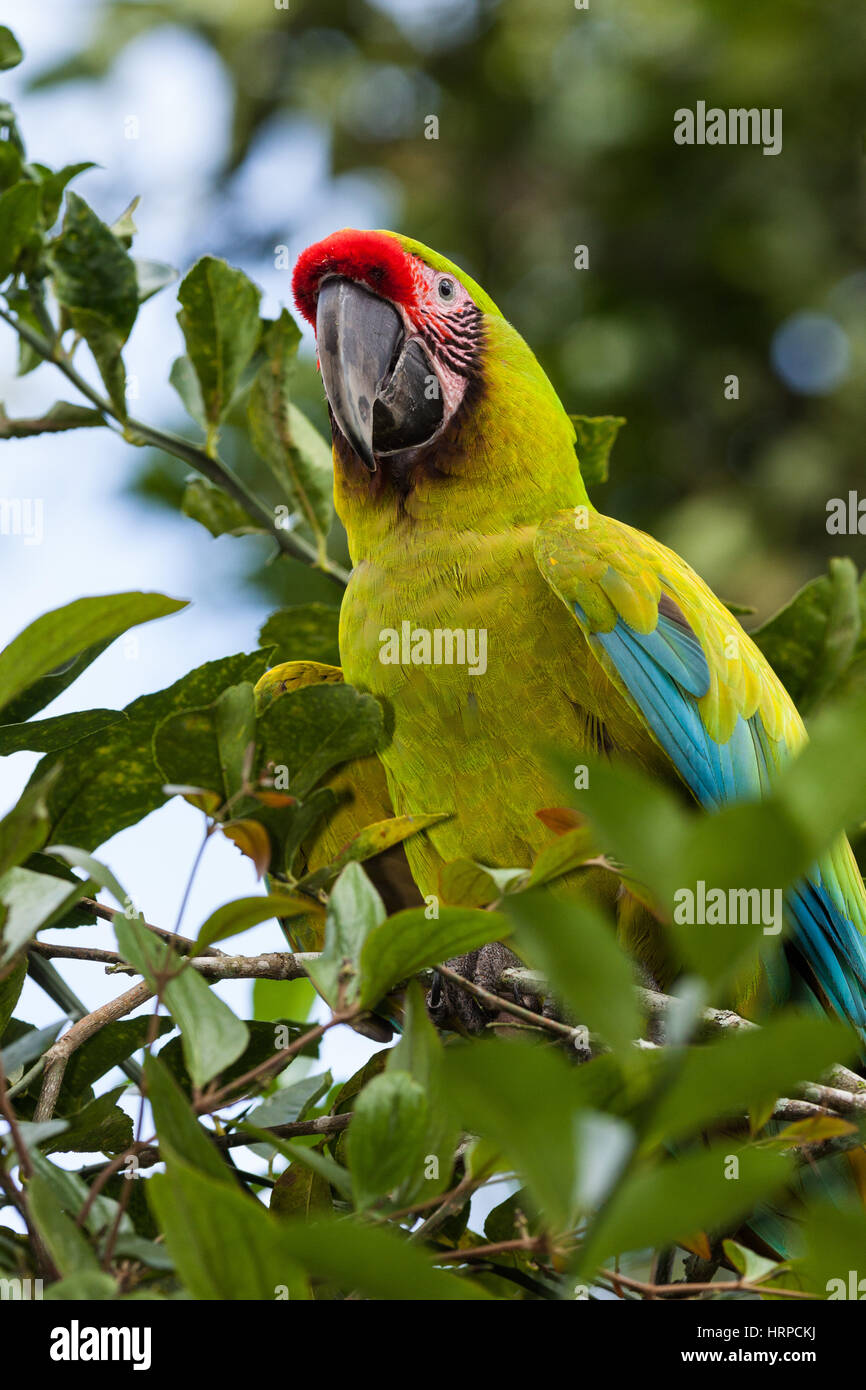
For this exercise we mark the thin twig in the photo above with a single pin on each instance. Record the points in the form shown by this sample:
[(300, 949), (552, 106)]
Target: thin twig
[(11, 1119), (271, 1066), (495, 1002), (181, 944), (532, 1244), (149, 1154), (59, 1053), (208, 464), (729, 1286)]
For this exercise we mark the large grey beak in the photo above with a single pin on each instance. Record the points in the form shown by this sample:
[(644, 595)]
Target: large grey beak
[(366, 368)]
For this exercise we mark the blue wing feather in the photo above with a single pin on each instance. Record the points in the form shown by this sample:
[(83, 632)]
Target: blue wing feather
[(665, 672)]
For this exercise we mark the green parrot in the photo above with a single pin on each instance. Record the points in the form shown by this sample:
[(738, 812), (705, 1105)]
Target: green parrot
[(494, 611)]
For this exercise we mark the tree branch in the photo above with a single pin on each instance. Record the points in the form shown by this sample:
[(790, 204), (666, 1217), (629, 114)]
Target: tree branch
[(58, 1054), (843, 1094), (211, 467)]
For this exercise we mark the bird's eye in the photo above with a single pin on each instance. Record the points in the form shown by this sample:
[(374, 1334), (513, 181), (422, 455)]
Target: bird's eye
[(446, 290)]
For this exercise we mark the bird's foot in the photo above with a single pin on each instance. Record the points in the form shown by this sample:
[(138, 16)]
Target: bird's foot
[(451, 1006)]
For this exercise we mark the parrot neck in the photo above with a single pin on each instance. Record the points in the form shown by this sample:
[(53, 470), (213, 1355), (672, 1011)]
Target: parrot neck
[(506, 460)]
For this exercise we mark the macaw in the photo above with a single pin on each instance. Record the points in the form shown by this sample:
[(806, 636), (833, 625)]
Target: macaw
[(458, 483)]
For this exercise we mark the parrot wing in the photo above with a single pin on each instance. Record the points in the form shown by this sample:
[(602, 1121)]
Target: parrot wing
[(712, 703)]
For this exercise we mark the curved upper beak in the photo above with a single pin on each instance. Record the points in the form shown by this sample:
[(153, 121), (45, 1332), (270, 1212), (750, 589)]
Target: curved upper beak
[(376, 383)]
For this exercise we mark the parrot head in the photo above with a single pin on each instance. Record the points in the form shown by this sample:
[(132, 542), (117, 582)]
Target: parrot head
[(399, 333), (424, 376)]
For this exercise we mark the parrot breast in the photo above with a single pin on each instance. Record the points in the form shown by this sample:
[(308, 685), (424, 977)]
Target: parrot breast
[(473, 659)]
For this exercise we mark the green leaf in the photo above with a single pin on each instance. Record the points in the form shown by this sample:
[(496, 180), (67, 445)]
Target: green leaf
[(370, 841), (264, 1042), (562, 855), (72, 1191), (273, 999), (307, 632), (65, 633), (235, 724), (11, 163), (125, 228), (224, 1244), (711, 1189), (10, 988), (211, 1035), (67, 1246), (420, 1053), (210, 747), (43, 691), (52, 185), (62, 416), (186, 752), (86, 1286), (152, 276), (747, 846), (220, 514), (723, 1079), (95, 282), (290, 827), (755, 1268), (32, 901), (387, 1139), (311, 730), (113, 1044), (10, 49), (463, 883), (30, 1045), (110, 779), (410, 940), (50, 735), (301, 1193), (243, 913), (219, 318), (100, 1126), (835, 1240), (291, 1103), (830, 774), (99, 873), (812, 1131), (185, 382), (354, 911), (527, 1102), (596, 435), (295, 452), (19, 210), (577, 950), (374, 1261), (813, 641), (317, 1162), (344, 1099), (181, 1137), (502, 1222), (25, 828)]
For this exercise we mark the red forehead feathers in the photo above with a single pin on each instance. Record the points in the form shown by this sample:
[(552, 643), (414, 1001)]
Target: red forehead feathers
[(378, 261)]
